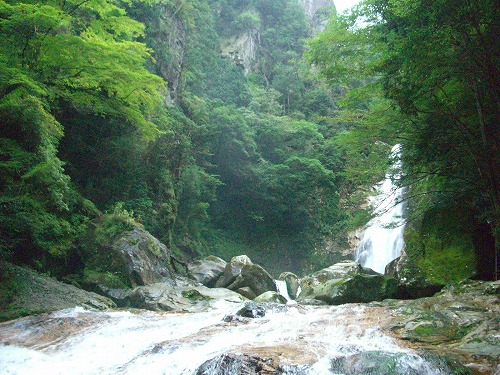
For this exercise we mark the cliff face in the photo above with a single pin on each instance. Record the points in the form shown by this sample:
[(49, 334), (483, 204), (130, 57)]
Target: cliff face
[(242, 49), (166, 34), (317, 12)]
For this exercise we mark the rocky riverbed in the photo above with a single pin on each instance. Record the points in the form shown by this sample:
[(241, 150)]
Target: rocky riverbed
[(455, 332)]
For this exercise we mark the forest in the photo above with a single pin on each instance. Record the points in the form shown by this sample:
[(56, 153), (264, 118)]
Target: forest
[(147, 112)]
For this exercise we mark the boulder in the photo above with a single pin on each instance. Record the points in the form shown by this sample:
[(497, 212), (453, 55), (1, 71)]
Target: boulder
[(232, 270), (346, 282), (412, 283), (207, 271), (186, 295), (252, 310), (254, 277), (464, 317), (24, 292), (135, 257), (230, 364), (292, 284), (379, 362), (270, 297), (246, 292)]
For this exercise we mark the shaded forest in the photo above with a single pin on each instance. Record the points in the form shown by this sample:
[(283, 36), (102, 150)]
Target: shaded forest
[(230, 127)]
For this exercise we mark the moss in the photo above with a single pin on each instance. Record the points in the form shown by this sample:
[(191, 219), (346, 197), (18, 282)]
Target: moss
[(113, 224), (194, 295), (108, 279), (441, 246)]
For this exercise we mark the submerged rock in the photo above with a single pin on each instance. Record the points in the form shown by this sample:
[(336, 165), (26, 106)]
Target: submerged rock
[(345, 282), (207, 271)]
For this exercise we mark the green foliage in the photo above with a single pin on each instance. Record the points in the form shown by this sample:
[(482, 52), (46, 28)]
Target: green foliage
[(114, 224), (61, 60), (107, 279), (443, 248)]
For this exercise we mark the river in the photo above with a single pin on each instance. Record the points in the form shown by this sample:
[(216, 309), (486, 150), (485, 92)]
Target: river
[(301, 339)]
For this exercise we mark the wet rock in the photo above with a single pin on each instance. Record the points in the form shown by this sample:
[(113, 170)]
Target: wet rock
[(246, 292), (254, 277), (345, 282), (270, 297), (292, 283), (245, 364), (184, 296), (389, 363), (412, 283), (231, 364), (24, 292), (252, 310), (462, 318), (232, 270), (207, 271)]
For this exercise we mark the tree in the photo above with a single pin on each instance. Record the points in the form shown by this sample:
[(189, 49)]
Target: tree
[(56, 59), (443, 72), (437, 63)]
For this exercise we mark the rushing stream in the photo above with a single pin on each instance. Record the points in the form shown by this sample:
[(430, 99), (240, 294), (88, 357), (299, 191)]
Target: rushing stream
[(382, 240), (304, 340)]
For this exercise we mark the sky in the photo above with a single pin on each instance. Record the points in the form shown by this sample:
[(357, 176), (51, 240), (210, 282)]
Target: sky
[(342, 5)]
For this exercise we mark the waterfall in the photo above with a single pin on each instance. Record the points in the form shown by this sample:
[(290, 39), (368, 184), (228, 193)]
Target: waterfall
[(282, 289), (383, 240)]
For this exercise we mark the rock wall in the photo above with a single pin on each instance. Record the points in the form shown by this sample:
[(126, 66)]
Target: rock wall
[(242, 49), (317, 12)]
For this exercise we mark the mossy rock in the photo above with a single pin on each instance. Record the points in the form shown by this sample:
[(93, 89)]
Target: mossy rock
[(130, 259), (24, 292), (194, 295)]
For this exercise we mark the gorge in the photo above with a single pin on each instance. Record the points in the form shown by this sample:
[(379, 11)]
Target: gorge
[(179, 181)]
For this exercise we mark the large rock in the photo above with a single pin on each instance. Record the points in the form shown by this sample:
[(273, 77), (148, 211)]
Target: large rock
[(379, 362), (270, 297), (412, 283), (463, 317), (254, 277), (232, 270), (24, 292), (252, 310), (135, 257), (346, 282), (207, 271), (292, 283), (186, 295), (230, 364)]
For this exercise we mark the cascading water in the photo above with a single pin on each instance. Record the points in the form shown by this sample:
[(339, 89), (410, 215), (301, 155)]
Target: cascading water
[(305, 340), (383, 240)]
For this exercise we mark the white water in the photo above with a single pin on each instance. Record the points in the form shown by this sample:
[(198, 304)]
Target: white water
[(282, 289), (383, 240), (144, 342)]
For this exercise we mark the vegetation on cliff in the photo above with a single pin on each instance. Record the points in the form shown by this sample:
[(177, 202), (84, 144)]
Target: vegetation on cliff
[(128, 108)]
